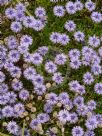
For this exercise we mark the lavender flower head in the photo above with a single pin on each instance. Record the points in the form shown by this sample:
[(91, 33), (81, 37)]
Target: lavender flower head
[(70, 7), (59, 11), (60, 59), (88, 78), (16, 26), (23, 94), (91, 123), (96, 17), (77, 131), (63, 116), (90, 5), (57, 78), (70, 26), (12, 127), (40, 12), (98, 88), (50, 67), (79, 36)]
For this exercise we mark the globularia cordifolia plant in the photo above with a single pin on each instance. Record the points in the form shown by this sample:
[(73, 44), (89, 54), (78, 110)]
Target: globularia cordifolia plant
[(50, 68)]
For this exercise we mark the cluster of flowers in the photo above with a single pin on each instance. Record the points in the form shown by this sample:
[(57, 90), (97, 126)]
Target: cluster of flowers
[(4, 2), (73, 7), (59, 38), (19, 17), (16, 62)]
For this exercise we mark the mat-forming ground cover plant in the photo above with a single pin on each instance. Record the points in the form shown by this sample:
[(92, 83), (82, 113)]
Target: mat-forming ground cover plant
[(50, 68)]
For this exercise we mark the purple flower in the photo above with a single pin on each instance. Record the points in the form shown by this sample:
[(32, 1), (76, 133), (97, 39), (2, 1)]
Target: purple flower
[(79, 5), (50, 131), (96, 69), (23, 94), (52, 98), (79, 36), (12, 97), (96, 60), (74, 85), (40, 89), (64, 39), (48, 108), (12, 42), (87, 51), (12, 127), (7, 111), (57, 78), (81, 90), (78, 101), (4, 99), (10, 13), (4, 2), (17, 85), (23, 49), (43, 50), (20, 7), (74, 54), (15, 71), (87, 55), (50, 67), (36, 59), (14, 56), (90, 5), (19, 108), (91, 105), (73, 118), (70, 26), (70, 7), (82, 110), (75, 63), (28, 21), (98, 88), (38, 79), (59, 11), (19, 16), (8, 65), (43, 117), (16, 26), (55, 37), (100, 51), (63, 97), (94, 41), (26, 40), (38, 25), (2, 77), (60, 59), (29, 73), (77, 131), (68, 104), (40, 12), (91, 123), (64, 116), (88, 78), (3, 88), (89, 133), (96, 17), (34, 124), (99, 118)]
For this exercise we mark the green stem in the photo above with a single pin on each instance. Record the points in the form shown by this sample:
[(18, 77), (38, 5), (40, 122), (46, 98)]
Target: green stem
[(23, 128)]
